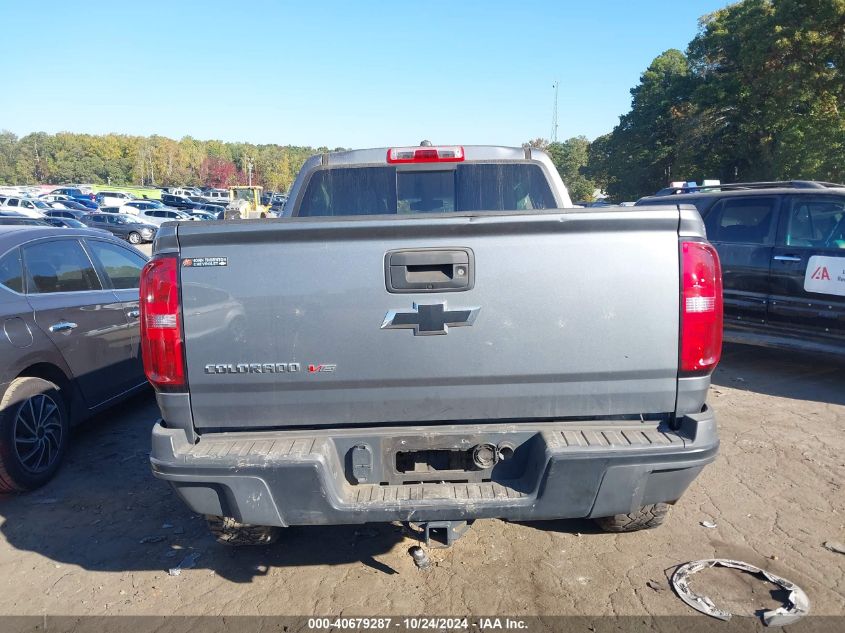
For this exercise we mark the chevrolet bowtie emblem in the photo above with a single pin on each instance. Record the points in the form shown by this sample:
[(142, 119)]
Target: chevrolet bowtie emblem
[(429, 319)]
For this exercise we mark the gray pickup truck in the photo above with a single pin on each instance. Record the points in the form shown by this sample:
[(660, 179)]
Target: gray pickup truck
[(432, 335)]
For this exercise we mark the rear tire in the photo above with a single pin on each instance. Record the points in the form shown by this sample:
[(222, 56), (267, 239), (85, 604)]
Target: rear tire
[(134, 238), (228, 531), (33, 434), (646, 518)]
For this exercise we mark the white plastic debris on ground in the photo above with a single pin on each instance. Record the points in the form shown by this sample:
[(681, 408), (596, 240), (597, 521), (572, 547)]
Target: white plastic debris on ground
[(798, 607)]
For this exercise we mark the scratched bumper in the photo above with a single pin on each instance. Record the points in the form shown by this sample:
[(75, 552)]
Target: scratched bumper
[(558, 470)]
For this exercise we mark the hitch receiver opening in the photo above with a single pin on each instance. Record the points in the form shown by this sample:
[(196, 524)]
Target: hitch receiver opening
[(443, 533)]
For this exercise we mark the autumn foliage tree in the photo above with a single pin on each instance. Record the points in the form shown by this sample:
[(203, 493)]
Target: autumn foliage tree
[(217, 172), (135, 160)]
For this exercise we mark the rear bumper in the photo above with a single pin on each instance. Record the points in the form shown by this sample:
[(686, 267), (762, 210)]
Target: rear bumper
[(558, 470)]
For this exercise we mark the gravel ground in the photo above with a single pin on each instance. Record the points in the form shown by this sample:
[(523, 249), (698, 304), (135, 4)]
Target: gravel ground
[(775, 495)]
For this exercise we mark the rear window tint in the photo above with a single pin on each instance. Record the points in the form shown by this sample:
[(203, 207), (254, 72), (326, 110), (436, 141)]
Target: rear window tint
[(741, 220), (60, 266), (815, 222), (503, 187), (343, 191), (122, 266), (11, 274), (350, 191)]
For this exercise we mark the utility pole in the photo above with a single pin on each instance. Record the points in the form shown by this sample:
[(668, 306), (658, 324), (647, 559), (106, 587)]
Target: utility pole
[(553, 135), (249, 170)]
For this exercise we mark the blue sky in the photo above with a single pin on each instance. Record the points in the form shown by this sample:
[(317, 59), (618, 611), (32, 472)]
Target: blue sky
[(352, 74)]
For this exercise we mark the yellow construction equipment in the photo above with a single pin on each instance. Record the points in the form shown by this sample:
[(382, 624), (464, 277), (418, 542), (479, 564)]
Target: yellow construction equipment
[(245, 203)]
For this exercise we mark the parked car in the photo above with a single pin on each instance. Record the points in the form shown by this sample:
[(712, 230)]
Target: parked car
[(84, 197), (160, 216), (202, 215), (133, 206), (66, 213), (218, 196), (70, 204), (277, 203), (421, 359), (782, 246), (84, 202), (69, 302), (59, 204), (269, 198), (178, 202), (18, 219), (181, 191), (113, 198), (122, 225), (31, 207), (68, 223), (91, 205), (213, 209)]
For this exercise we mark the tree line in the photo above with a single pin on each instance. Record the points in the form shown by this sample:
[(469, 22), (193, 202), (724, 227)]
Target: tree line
[(119, 159), (759, 94)]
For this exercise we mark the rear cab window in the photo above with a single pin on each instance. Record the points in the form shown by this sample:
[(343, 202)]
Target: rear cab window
[(390, 190)]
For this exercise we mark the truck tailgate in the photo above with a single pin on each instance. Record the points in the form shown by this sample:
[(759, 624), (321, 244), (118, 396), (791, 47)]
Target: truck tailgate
[(571, 314)]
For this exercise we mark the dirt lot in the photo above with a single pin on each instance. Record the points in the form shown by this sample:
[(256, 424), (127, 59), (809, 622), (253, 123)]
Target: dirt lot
[(775, 494)]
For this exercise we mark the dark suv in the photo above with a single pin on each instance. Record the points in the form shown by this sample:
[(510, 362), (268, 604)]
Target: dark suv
[(782, 247), (178, 202)]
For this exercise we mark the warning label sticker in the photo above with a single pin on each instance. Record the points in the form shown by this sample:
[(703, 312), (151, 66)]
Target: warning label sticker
[(825, 275)]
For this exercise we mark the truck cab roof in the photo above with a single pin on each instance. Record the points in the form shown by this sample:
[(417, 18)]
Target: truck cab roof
[(387, 188)]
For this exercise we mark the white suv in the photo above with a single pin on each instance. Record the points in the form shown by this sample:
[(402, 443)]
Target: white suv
[(25, 206), (160, 216), (217, 196), (113, 198)]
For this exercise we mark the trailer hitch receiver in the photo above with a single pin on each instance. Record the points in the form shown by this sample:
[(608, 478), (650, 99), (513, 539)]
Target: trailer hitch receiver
[(443, 533)]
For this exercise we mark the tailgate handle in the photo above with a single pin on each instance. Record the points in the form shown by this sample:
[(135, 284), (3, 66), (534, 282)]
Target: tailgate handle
[(429, 270)]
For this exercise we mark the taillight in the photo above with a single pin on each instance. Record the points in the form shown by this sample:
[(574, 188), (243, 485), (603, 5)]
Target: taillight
[(450, 154), (161, 327), (701, 308)]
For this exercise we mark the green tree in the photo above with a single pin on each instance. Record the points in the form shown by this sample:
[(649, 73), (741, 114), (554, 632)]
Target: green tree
[(759, 95), (8, 156), (570, 158), (647, 148)]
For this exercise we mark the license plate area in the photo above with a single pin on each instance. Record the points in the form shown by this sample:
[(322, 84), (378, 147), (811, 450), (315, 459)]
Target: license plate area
[(435, 455), (448, 458), (426, 462)]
